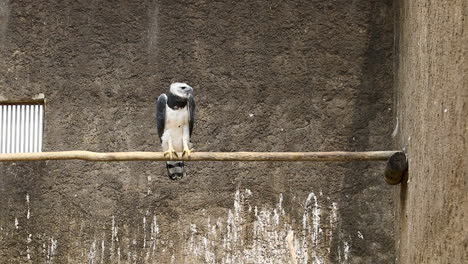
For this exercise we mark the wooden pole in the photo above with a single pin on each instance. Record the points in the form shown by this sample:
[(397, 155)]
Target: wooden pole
[(337, 156)]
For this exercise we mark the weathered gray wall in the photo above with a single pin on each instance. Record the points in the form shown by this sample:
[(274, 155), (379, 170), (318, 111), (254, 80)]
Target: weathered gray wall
[(269, 76), (432, 102)]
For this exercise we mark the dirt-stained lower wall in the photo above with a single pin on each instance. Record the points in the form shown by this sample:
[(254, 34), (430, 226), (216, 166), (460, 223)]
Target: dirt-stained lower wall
[(268, 76), (432, 103)]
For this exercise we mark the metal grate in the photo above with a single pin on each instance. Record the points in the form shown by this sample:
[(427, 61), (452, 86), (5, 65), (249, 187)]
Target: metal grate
[(21, 128)]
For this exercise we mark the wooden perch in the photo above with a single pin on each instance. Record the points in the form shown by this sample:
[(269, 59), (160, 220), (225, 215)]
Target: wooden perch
[(202, 156)]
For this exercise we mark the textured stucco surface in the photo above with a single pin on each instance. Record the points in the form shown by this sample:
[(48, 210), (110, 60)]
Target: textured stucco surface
[(432, 98), (268, 75)]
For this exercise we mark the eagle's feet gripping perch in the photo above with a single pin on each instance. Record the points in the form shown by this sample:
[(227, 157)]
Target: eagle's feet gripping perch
[(187, 152), (171, 153)]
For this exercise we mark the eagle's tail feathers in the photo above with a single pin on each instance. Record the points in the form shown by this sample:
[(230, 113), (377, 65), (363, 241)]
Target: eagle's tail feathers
[(175, 169)]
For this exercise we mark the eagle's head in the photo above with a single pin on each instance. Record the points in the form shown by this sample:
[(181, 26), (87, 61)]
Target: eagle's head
[(181, 89)]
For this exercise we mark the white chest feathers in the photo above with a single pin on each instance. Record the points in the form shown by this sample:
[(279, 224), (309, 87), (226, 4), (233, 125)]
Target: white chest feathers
[(176, 118)]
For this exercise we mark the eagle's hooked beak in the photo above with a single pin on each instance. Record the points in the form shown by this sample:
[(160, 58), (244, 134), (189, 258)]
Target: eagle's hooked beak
[(188, 90)]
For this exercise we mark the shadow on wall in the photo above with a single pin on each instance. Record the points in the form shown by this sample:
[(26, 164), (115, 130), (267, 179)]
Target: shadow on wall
[(371, 129)]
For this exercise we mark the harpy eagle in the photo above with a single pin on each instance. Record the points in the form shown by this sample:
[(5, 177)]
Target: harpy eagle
[(175, 117)]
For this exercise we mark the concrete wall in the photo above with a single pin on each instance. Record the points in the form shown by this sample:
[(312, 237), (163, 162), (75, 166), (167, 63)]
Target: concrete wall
[(432, 103), (269, 76)]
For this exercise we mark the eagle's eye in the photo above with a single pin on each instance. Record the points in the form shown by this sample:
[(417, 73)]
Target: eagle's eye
[(183, 87)]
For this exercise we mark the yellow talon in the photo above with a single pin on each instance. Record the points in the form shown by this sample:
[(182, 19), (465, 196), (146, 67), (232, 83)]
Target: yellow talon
[(171, 154), (187, 152)]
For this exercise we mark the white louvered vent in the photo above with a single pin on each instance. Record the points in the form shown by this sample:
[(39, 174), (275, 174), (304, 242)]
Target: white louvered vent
[(21, 127)]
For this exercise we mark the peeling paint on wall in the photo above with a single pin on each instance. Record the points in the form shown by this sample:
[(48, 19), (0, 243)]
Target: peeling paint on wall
[(248, 233), (264, 240), (28, 214), (50, 249)]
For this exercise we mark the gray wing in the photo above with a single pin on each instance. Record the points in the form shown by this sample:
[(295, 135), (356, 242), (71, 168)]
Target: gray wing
[(191, 105), (161, 114)]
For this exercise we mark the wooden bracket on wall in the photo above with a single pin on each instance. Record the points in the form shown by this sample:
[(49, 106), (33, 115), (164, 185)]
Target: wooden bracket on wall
[(397, 168)]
